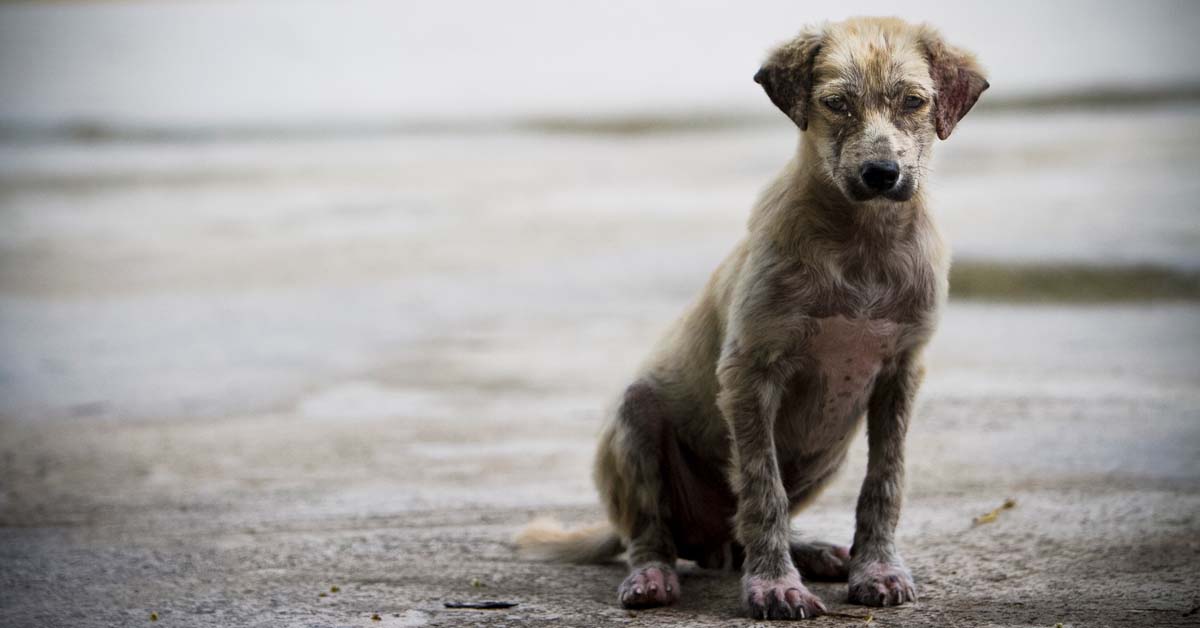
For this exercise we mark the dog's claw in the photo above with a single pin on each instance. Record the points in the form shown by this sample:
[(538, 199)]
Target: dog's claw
[(649, 586), (882, 584), (781, 598)]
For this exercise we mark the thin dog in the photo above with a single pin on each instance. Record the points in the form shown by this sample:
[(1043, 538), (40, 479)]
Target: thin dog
[(817, 318)]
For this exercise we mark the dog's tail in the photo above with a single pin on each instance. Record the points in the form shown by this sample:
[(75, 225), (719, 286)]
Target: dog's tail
[(546, 539)]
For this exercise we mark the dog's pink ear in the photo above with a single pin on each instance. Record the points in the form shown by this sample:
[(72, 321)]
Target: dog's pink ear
[(958, 79), (787, 76)]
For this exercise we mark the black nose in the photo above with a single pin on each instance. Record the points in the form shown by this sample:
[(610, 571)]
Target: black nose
[(880, 176)]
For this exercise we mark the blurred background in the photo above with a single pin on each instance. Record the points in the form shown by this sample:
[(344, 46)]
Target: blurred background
[(269, 267)]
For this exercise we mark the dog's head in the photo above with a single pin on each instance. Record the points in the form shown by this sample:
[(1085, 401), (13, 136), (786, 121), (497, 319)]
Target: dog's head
[(871, 94)]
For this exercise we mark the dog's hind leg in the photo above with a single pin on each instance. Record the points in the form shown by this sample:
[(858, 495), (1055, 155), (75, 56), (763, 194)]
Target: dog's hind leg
[(817, 560), (631, 476)]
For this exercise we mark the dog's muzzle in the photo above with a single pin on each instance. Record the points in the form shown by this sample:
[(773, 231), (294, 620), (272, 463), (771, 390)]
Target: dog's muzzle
[(880, 176)]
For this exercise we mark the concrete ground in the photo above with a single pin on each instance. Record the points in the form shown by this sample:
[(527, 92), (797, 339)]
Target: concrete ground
[(247, 520), (237, 376)]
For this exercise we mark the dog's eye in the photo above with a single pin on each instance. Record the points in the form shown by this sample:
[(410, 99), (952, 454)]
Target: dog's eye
[(913, 102), (836, 103)]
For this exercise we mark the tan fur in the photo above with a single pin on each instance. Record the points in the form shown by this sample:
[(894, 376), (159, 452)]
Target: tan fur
[(546, 539), (744, 410)]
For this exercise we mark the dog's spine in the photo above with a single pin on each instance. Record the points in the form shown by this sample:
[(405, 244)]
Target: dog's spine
[(546, 539)]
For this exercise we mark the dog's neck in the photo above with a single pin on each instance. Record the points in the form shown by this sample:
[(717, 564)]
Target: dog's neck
[(802, 206), (805, 218)]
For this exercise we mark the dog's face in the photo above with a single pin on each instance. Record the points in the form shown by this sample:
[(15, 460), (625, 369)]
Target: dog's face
[(871, 95)]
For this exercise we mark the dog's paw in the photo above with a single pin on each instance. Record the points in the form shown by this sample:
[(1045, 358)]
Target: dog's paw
[(648, 586), (881, 584), (822, 561), (780, 598)]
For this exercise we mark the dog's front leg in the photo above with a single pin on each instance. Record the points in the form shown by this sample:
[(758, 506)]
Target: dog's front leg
[(749, 400), (877, 575)]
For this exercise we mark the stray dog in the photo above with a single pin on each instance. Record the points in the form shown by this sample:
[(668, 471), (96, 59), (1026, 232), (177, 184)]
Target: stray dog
[(747, 407)]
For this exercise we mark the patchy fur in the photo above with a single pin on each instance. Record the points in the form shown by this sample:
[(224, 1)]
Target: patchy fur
[(818, 317)]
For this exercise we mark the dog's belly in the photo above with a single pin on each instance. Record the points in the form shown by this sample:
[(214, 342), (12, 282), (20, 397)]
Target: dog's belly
[(824, 411)]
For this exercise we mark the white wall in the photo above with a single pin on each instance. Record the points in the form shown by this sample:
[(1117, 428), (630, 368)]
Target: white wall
[(262, 62)]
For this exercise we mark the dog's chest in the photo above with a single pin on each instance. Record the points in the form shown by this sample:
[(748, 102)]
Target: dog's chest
[(847, 355), (850, 351)]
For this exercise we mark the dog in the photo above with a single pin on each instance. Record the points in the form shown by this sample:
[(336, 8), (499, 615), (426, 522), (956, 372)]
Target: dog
[(817, 319)]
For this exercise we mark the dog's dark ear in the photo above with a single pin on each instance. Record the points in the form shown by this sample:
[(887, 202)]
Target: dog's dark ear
[(957, 77), (787, 76)]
